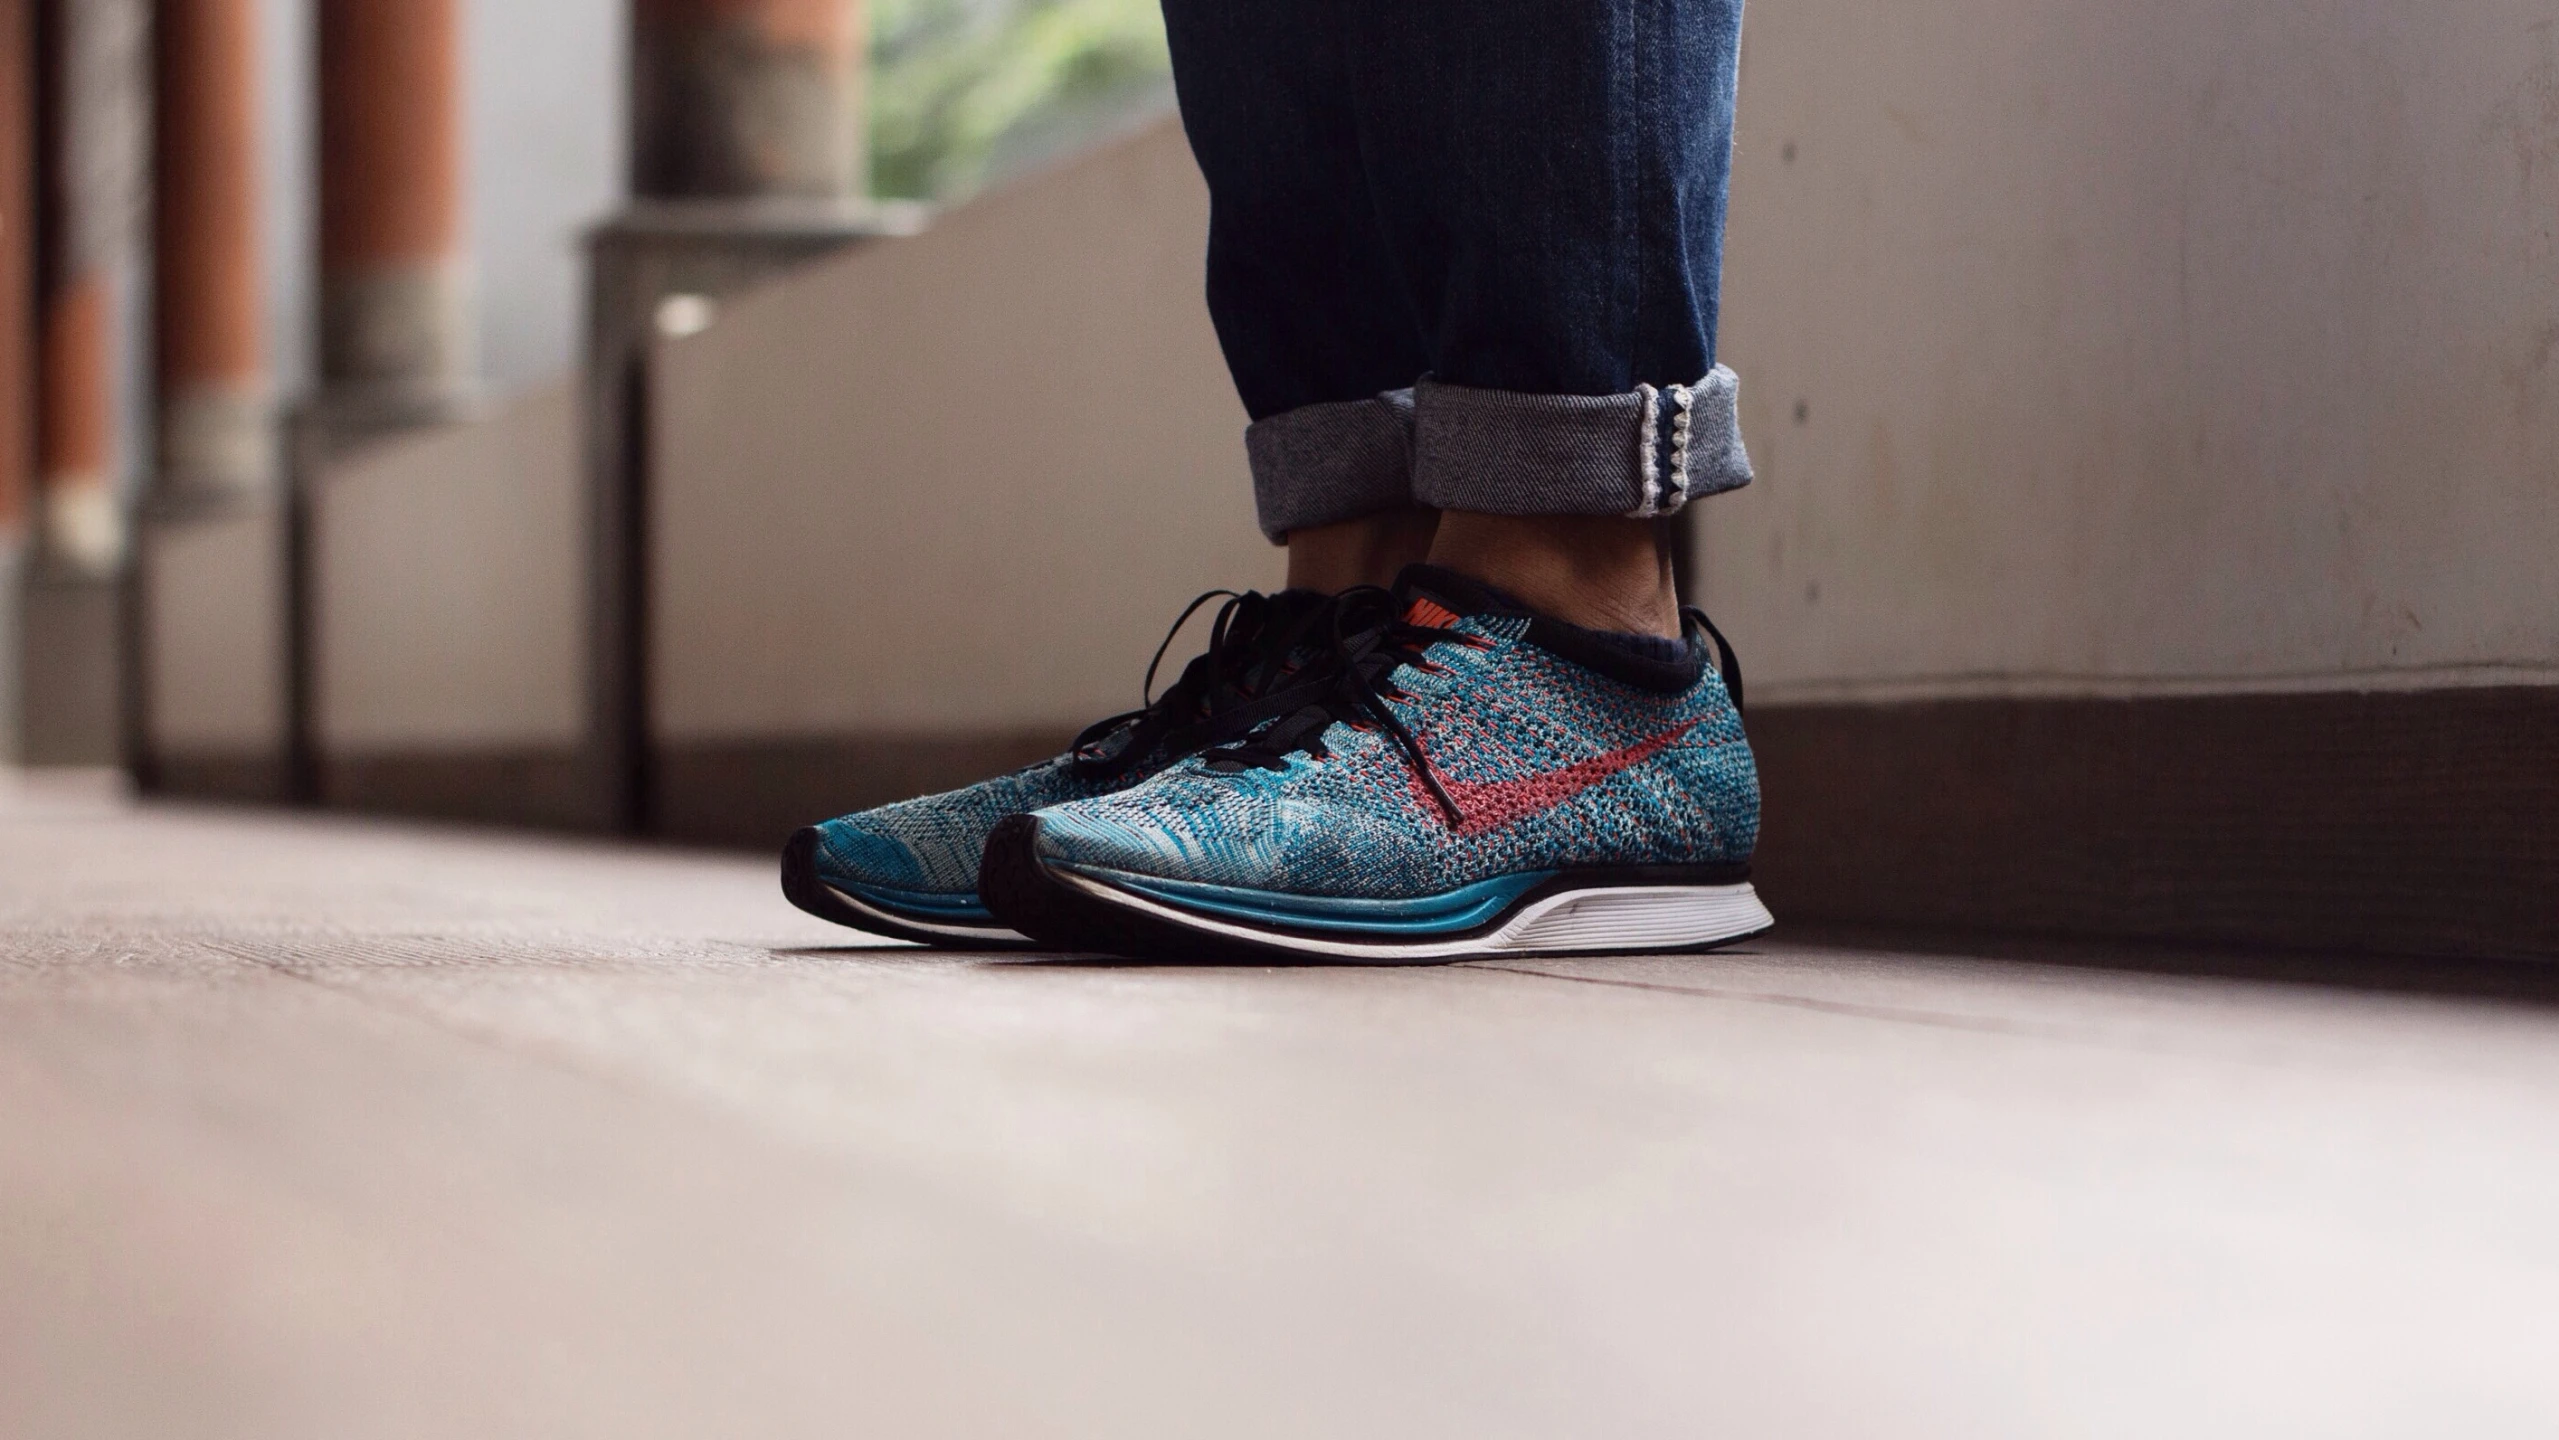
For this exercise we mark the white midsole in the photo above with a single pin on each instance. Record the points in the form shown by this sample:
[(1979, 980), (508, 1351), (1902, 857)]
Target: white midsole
[(1622, 917), (952, 932)]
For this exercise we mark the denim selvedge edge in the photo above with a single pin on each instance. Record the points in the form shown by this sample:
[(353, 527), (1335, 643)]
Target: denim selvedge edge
[(1641, 453), (1321, 464)]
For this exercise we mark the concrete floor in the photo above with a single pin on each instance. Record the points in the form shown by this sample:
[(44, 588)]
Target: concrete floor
[(325, 1128)]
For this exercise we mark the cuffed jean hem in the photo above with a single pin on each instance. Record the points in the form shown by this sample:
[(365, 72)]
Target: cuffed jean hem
[(1323, 464), (1639, 454)]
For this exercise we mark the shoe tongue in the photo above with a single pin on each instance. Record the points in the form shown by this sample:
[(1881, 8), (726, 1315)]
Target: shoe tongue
[(1267, 620), (1289, 634), (1435, 596), (1287, 607)]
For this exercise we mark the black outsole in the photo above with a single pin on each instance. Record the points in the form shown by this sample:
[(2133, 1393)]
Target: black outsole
[(802, 887), (1057, 916), (1021, 892)]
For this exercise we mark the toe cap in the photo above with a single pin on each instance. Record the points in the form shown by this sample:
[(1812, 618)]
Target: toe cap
[(1080, 836), (851, 853)]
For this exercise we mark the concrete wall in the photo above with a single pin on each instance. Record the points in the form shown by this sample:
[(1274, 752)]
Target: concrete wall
[(2129, 349), (448, 573), (2086, 350), (71, 680), (215, 684), (958, 484)]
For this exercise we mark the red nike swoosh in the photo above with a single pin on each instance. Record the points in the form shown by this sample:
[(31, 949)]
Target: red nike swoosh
[(1489, 805)]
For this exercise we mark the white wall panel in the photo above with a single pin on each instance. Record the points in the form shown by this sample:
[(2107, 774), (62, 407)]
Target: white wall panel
[(2201, 344), (216, 595), (955, 482), (448, 574)]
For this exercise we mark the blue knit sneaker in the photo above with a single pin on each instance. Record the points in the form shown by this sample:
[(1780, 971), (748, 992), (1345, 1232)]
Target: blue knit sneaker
[(909, 870), (1473, 780)]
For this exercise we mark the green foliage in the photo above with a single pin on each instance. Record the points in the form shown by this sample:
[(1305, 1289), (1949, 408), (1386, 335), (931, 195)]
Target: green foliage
[(964, 89)]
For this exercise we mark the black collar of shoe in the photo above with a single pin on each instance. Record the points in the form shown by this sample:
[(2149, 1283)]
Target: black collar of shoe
[(1594, 650)]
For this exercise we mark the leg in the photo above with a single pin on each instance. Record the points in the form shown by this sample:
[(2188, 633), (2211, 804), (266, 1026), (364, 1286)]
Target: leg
[(1604, 572), (1551, 179), (1305, 297), (1370, 550)]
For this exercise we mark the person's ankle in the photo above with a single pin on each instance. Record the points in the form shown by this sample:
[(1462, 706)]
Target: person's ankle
[(1370, 550), (1596, 571)]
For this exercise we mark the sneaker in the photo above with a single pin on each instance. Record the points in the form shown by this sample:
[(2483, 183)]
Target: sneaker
[(909, 870), (1472, 780)]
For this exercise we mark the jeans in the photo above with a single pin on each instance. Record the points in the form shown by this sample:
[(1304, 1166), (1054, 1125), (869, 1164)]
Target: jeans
[(1464, 254)]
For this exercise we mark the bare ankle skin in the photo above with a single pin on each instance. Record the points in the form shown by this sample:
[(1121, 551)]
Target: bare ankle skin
[(1597, 571), (1366, 551)]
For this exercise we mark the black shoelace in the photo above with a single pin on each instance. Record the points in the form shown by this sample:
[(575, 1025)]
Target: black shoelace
[(1221, 693), (1371, 640)]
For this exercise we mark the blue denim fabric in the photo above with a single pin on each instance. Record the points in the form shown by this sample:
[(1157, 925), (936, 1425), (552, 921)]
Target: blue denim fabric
[(1519, 199)]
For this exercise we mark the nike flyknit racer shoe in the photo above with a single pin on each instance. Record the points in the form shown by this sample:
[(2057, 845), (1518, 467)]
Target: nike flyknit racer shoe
[(909, 870), (1473, 780)]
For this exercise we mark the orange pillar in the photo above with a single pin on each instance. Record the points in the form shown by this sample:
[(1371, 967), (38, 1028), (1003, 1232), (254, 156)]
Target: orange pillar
[(216, 438), (395, 316), (17, 270), (76, 427), (748, 98), (91, 169)]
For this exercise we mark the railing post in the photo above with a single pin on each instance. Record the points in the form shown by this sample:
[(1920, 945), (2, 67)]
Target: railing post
[(748, 157)]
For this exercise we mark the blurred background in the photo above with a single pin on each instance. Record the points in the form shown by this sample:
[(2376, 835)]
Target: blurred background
[(690, 418)]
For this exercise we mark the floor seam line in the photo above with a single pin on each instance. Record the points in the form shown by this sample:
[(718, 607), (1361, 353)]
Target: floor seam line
[(1937, 1020)]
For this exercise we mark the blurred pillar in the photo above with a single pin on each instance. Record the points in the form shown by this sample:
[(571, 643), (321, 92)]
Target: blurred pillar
[(205, 615), (17, 270), (740, 98), (92, 87), (94, 113), (749, 156), (397, 330), (396, 336), (216, 432), (17, 339)]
